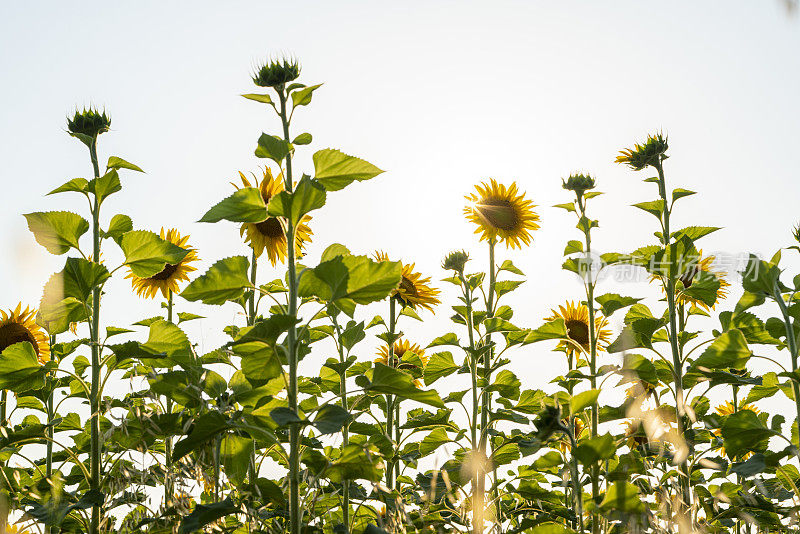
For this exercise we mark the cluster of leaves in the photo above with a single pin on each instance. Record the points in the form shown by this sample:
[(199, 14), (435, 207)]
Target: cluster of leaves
[(351, 445)]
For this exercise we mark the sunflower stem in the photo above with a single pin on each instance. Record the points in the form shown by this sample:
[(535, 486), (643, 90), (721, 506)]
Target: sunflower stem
[(346, 427), (685, 505), (251, 314), (295, 512), (94, 401), (791, 341), (477, 505), (390, 398), (169, 490), (486, 395)]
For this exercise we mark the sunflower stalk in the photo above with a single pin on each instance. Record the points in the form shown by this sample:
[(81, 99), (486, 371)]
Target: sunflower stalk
[(486, 395), (390, 466), (791, 341), (169, 489), (345, 428)]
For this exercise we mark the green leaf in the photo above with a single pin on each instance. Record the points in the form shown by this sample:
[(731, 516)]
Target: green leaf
[(357, 278), (225, 280), (264, 99), (573, 247), (760, 277), (336, 170), (388, 380), (303, 139), (115, 162), (623, 497), (611, 302), (439, 365), (555, 329), (204, 514), (204, 428), (309, 195), (743, 432), (509, 266), (355, 462), (147, 254), (272, 147), (168, 340), (245, 205), (234, 454), (583, 400), (653, 207), (331, 418), (550, 528), (260, 363), (105, 186), (694, 232), (119, 224), (57, 231), (302, 97), (728, 351), (595, 449), (77, 185), (20, 369), (680, 193), (703, 287)]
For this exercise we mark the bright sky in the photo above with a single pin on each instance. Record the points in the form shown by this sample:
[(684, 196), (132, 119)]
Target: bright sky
[(441, 95)]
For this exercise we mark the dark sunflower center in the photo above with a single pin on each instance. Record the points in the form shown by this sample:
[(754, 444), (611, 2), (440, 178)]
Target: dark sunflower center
[(578, 331), (165, 273), (408, 287), (499, 213), (271, 228), (15, 333), (687, 277)]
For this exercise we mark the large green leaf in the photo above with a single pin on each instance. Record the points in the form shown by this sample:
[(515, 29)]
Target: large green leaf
[(115, 162), (744, 432), (147, 254), (331, 418), (104, 186), (623, 497), (307, 196), (611, 302), (302, 97), (272, 147), (584, 399), (728, 351), (388, 380), (595, 449), (20, 369), (225, 280), (357, 278), (204, 514), (260, 363), (760, 277), (356, 462), (245, 205), (204, 428), (57, 231), (439, 365), (76, 185), (167, 340), (555, 329), (336, 170), (234, 453)]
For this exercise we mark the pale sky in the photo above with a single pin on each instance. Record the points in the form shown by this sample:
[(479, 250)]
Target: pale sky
[(439, 94)]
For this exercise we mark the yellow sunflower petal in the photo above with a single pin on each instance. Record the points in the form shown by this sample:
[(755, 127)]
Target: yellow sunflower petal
[(169, 278), (502, 214)]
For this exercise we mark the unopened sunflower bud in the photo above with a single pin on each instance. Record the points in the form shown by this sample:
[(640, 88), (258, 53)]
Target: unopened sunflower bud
[(579, 183), (86, 125), (548, 422), (455, 261), (277, 73), (650, 153)]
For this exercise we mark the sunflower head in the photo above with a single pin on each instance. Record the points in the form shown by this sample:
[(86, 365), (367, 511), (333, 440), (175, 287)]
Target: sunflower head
[(502, 214), (548, 422), (270, 234), (456, 261), (88, 123), (414, 290), (726, 409), (796, 233), (690, 272), (565, 445), (167, 280), (635, 435), (576, 319), (17, 326), (399, 349), (578, 183), (277, 73), (650, 153)]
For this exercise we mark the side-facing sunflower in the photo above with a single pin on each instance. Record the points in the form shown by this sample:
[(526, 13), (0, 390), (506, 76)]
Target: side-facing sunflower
[(727, 409), (576, 319), (413, 290), (502, 214), (19, 325), (689, 274), (564, 443), (167, 280), (270, 234), (401, 346)]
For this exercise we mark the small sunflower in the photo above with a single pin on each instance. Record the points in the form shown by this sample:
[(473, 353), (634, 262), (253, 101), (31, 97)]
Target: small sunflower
[(401, 346), (502, 213), (650, 153), (167, 280), (270, 234), (20, 325), (727, 409), (576, 319), (635, 435), (413, 290), (688, 276), (564, 444)]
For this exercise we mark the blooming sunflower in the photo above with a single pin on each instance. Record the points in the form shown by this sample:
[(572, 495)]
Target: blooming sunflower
[(401, 346), (729, 409), (168, 278), (689, 275), (635, 435), (502, 213), (564, 444), (270, 234), (20, 325), (576, 318), (413, 290)]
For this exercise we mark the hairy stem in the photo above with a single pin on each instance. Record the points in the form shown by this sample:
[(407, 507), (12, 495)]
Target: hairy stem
[(94, 400)]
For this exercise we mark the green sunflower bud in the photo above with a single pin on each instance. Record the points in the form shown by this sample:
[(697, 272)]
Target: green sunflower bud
[(548, 422), (579, 183), (86, 125), (796, 233), (455, 261), (650, 153), (277, 73)]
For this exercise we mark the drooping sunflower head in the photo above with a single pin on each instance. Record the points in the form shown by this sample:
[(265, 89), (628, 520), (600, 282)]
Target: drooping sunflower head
[(270, 234), (502, 214), (17, 326), (414, 290), (168, 279), (277, 73), (88, 123), (650, 153), (578, 183), (726, 409), (691, 271), (399, 349), (576, 319), (456, 261)]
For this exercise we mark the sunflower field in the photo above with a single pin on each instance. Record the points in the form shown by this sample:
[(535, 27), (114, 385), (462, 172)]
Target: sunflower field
[(391, 434)]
